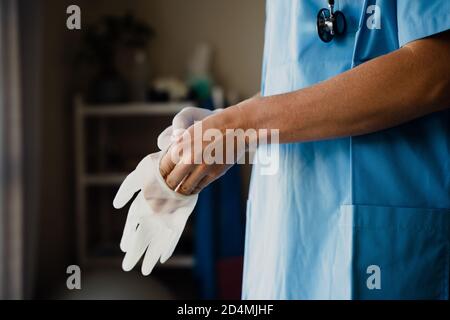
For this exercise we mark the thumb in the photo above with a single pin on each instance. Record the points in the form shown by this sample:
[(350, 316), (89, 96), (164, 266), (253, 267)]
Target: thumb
[(186, 117), (126, 190), (164, 139)]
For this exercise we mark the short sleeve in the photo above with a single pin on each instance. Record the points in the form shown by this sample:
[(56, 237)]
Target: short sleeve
[(417, 19)]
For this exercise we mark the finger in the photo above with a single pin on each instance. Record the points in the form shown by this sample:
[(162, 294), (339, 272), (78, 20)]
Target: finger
[(164, 139), (154, 251), (206, 181), (126, 190), (192, 180), (137, 210), (197, 190), (130, 226), (175, 237), (166, 164), (139, 242), (186, 117), (183, 119), (176, 176)]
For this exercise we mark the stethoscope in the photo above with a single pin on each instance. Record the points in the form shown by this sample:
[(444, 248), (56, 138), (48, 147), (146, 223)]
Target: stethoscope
[(330, 23)]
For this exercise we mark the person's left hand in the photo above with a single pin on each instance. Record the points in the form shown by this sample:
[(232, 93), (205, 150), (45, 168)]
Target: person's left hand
[(156, 218), (203, 153)]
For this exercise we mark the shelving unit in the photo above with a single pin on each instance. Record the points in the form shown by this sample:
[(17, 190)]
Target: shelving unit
[(86, 180)]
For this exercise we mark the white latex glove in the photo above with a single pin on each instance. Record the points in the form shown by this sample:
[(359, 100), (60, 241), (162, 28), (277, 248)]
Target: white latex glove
[(156, 218), (182, 121)]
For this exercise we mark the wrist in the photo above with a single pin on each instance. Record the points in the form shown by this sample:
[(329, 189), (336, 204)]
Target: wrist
[(241, 116), (245, 113), (233, 117)]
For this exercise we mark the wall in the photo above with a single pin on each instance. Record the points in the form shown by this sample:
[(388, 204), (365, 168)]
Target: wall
[(55, 245), (234, 28)]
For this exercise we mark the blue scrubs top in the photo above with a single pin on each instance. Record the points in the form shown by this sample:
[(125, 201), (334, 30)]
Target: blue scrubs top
[(362, 217)]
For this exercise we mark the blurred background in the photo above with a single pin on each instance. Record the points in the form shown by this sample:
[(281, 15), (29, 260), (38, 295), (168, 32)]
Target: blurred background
[(79, 109)]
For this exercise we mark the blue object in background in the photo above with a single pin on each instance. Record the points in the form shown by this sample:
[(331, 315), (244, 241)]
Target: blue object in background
[(204, 243), (339, 209), (219, 230)]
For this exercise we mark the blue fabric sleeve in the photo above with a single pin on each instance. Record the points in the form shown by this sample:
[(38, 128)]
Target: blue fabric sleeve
[(418, 19)]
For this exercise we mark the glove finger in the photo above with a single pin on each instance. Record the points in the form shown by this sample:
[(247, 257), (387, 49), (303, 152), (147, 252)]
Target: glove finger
[(164, 139), (183, 119), (130, 225), (175, 237), (140, 240), (139, 213), (126, 190), (177, 225), (186, 117), (154, 251)]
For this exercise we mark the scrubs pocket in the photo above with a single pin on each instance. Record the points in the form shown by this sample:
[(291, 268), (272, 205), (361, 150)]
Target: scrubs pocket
[(396, 253)]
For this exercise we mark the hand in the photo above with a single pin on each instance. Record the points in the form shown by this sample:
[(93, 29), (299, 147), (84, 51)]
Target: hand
[(156, 218), (182, 120), (203, 153)]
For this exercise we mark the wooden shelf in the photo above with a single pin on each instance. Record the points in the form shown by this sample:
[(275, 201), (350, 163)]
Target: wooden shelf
[(133, 109), (107, 179), (180, 261), (87, 255)]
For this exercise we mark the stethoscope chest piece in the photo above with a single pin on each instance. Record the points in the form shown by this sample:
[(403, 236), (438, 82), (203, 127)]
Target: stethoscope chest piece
[(330, 23)]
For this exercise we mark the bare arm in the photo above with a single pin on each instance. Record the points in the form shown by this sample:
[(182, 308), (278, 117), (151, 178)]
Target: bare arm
[(392, 89)]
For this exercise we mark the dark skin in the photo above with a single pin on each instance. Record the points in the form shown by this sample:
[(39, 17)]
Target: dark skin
[(392, 89)]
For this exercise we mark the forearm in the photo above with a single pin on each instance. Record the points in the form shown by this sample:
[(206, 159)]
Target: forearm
[(384, 92)]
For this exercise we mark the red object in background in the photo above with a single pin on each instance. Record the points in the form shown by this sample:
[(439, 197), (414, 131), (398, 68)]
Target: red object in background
[(229, 271)]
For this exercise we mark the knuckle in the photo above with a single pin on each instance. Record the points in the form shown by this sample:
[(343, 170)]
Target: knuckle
[(179, 149), (184, 190), (163, 170), (213, 175), (171, 184), (197, 190), (188, 158)]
